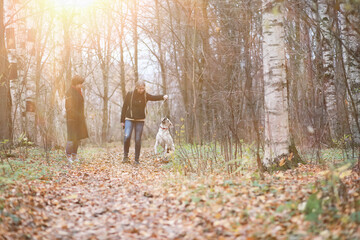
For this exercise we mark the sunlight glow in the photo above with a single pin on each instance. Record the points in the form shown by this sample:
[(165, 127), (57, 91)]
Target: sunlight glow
[(73, 3)]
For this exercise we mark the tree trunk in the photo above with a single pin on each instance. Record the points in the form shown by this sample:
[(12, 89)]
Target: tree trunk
[(340, 74), (204, 70), (194, 77), (318, 88), (67, 48), (39, 111), (352, 65), (105, 110), (277, 136), (5, 96), (136, 39), (122, 63), (105, 68), (186, 88), (324, 11), (166, 110)]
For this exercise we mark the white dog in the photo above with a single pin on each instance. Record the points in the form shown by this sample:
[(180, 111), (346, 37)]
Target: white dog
[(163, 137)]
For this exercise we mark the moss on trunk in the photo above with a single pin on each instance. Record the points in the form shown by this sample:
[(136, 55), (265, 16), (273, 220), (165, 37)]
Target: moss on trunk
[(287, 161)]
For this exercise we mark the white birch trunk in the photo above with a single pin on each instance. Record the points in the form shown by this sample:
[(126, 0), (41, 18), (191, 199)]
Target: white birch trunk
[(328, 44), (352, 68), (277, 135)]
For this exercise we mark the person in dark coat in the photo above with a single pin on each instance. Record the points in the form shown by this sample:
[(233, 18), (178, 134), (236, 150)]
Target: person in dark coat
[(133, 117), (75, 118)]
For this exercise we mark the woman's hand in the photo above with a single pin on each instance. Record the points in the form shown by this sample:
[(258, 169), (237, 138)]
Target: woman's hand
[(123, 125), (166, 97)]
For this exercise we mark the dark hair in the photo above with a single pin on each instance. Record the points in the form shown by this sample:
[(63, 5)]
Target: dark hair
[(77, 80)]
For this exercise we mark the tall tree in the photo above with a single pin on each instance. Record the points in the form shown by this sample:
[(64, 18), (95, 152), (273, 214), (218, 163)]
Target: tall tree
[(351, 39), (277, 135), (5, 96), (325, 12), (121, 48), (102, 41), (67, 22), (161, 54), (135, 38)]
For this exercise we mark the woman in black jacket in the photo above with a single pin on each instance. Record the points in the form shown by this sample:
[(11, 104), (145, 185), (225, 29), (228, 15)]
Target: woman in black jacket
[(133, 117), (75, 118)]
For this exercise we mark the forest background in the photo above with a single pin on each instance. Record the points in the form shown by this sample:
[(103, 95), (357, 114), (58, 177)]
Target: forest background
[(253, 85), (207, 55)]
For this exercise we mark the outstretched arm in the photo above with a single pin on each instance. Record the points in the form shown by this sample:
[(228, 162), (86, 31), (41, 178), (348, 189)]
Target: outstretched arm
[(150, 97)]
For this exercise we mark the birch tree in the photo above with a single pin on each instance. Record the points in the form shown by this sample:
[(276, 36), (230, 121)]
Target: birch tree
[(351, 39), (324, 11), (277, 136)]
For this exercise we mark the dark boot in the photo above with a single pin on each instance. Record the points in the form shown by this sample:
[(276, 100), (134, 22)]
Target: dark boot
[(125, 160)]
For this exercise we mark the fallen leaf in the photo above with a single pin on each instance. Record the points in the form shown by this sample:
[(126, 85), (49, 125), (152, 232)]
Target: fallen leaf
[(282, 162)]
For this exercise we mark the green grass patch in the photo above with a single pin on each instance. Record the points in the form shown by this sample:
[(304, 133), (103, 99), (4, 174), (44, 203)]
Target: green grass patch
[(37, 165)]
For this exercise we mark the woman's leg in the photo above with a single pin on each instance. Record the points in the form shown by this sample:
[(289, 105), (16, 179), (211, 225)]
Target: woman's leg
[(138, 132), (127, 137), (74, 150), (69, 148)]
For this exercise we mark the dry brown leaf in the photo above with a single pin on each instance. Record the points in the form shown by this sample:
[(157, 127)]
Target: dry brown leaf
[(282, 162)]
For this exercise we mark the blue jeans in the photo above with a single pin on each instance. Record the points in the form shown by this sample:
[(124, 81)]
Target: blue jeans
[(72, 147), (129, 125)]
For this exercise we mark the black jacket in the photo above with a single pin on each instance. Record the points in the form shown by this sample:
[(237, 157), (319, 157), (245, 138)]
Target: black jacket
[(135, 103), (75, 118)]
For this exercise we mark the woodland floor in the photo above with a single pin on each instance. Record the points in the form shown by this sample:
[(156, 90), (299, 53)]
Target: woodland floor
[(102, 198)]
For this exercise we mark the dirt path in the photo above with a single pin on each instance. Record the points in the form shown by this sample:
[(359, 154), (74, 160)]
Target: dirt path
[(101, 198), (111, 200)]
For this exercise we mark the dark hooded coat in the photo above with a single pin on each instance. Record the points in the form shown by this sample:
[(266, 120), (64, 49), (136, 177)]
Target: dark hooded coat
[(75, 117)]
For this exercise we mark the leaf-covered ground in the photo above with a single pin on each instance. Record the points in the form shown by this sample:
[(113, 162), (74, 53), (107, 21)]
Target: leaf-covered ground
[(101, 198)]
